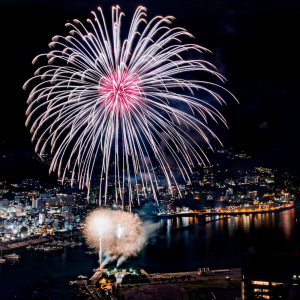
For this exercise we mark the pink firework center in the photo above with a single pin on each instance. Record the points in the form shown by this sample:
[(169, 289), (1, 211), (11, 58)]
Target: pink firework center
[(120, 91)]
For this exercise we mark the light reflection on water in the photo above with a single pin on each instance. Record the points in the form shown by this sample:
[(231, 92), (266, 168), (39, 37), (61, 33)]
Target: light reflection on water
[(220, 240), (186, 221), (285, 221), (179, 244)]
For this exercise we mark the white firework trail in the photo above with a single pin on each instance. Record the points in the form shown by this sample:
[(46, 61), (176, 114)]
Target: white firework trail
[(120, 99)]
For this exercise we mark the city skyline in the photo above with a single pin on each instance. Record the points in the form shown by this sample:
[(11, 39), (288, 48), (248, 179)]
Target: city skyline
[(128, 195)]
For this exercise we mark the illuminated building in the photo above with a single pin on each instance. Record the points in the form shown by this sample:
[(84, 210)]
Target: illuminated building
[(270, 276), (41, 219), (55, 224), (229, 192), (66, 212), (63, 199), (251, 194), (39, 204), (208, 176), (247, 179), (254, 179), (285, 197), (4, 203)]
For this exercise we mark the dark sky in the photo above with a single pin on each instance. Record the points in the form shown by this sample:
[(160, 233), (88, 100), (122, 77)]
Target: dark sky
[(254, 45)]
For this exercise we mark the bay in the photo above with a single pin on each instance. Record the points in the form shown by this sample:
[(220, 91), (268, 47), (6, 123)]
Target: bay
[(177, 244)]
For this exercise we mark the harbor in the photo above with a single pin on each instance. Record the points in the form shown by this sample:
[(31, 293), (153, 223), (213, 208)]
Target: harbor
[(60, 239), (231, 212), (41, 244), (209, 244)]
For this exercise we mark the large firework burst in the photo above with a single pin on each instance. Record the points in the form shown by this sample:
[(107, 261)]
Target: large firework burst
[(121, 100)]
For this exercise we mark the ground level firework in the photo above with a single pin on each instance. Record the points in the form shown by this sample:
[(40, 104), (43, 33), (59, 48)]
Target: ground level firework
[(115, 234)]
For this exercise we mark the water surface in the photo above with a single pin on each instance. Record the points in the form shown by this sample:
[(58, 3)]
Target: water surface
[(178, 244)]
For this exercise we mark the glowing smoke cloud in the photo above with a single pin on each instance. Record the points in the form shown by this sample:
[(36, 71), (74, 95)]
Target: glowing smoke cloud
[(122, 234), (121, 99)]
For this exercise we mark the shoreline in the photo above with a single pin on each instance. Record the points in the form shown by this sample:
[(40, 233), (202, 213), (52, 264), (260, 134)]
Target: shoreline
[(251, 212), (193, 214), (11, 245)]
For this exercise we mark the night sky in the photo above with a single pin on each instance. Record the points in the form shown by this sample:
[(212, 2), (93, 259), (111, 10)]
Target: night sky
[(254, 46)]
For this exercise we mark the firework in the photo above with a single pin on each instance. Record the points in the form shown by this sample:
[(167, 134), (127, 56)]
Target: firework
[(116, 233), (123, 100)]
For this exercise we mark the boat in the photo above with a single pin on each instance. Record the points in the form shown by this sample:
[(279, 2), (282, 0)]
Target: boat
[(78, 244), (28, 247), (82, 277), (88, 252), (12, 256), (47, 249)]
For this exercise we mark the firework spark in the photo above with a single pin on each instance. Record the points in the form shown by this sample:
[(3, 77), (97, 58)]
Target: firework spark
[(116, 233), (123, 101)]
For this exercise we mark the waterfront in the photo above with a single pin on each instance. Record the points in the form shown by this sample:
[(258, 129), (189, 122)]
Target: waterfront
[(178, 244)]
